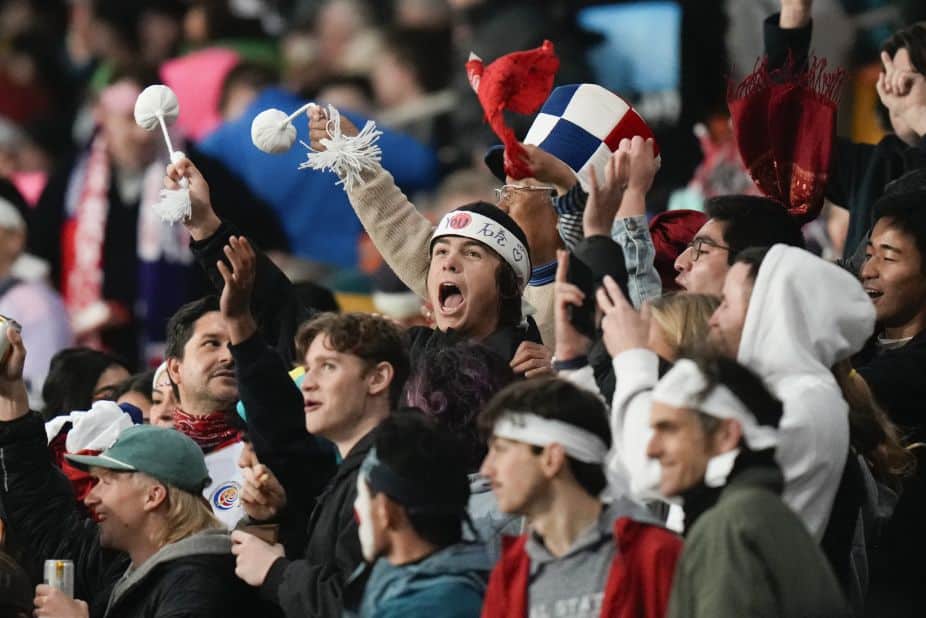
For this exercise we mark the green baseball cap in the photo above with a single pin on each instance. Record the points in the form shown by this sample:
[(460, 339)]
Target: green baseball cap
[(164, 454)]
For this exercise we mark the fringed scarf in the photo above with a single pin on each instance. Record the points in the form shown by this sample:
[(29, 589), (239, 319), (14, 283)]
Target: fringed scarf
[(163, 254), (784, 123), (211, 432)]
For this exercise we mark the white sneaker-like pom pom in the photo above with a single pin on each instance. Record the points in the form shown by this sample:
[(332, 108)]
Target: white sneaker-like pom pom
[(348, 157), (272, 132), (154, 101)]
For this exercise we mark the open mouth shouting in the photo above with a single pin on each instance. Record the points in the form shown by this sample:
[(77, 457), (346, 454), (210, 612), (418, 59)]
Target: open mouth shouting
[(450, 298)]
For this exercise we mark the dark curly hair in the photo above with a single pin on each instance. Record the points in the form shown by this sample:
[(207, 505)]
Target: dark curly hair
[(452, 385)]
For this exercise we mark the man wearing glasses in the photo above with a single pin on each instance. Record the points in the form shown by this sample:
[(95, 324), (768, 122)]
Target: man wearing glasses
[(735, 223)]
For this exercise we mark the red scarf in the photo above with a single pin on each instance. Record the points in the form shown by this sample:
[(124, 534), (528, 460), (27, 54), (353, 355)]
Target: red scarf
[(211, 432), (784, 122)]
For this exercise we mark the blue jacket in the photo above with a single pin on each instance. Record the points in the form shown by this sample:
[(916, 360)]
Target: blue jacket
[(316, 216), (449, 583)]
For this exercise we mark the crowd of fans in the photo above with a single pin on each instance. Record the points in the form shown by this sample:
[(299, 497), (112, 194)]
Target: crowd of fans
[(675, 370)]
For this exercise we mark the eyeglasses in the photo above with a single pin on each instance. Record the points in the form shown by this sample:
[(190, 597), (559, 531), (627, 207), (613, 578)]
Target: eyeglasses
[(697, 247), (502, 193)]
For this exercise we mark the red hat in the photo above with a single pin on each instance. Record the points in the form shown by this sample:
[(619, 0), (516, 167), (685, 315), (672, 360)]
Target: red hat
[(671, 232)]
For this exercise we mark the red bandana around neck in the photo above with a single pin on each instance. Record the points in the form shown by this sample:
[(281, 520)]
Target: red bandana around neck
[(210, 432)]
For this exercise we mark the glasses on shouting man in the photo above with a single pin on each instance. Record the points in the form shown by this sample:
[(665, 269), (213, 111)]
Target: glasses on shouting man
[(697, 247), (504, 193)]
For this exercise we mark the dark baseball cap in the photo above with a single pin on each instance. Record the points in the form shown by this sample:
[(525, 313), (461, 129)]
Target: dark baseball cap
[(164, 454)]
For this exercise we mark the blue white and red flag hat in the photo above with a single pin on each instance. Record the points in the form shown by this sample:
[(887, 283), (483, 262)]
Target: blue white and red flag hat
[(580, 124)]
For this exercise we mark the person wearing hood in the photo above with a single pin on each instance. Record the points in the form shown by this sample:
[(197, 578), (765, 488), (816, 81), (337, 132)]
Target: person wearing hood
[(715, 430), (549, 439), (156, 548), (412, 492), (787, 315)]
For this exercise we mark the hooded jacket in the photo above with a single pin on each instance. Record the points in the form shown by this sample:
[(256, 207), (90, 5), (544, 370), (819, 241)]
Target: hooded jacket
[(450, 583), (804, 316), (191, 577)]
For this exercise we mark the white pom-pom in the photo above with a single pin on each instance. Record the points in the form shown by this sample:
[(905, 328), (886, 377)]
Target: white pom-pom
[(154, 101), (272, 132), (348, 157)]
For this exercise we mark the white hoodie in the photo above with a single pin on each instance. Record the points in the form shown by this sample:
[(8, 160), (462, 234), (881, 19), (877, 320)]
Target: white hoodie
[(804, 316)]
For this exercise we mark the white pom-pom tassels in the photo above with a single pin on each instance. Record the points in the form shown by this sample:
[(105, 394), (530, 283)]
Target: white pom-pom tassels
[(157, 106), (175, 204), (348, 157)]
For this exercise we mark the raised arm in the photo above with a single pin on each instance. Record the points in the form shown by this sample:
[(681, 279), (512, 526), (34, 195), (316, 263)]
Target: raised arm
[(631, 229), (401, 233), (274, 304), (273, 403)]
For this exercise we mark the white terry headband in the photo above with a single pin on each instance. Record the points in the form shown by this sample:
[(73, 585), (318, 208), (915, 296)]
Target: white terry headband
[(682, 386), (489, 232), (532, 429)]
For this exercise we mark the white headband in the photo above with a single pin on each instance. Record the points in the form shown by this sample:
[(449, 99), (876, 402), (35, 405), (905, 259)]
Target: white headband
[(489, 232), (682, 386), (532, 429)]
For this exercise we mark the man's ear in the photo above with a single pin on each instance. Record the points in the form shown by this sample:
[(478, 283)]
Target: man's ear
[(173, 370), (552, 460), (727, 436), (379, 378), (155, 496), (390, 513)]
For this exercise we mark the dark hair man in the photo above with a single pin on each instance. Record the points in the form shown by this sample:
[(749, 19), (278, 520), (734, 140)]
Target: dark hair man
[(735, 222), (412, 493), (548, 444)]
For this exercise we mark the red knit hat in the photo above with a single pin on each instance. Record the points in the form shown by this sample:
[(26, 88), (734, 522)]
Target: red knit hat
[(671, 232)]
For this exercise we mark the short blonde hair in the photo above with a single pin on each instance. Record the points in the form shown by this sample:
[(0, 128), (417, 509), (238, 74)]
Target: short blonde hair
[(683, 318)]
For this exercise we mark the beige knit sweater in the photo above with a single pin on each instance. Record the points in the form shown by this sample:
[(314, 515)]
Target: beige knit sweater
[(403, 235)]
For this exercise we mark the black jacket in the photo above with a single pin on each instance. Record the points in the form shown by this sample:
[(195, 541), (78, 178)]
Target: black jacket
[(504, 341), (858, 172), (314, 586), (896, 380), (44, 523)]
